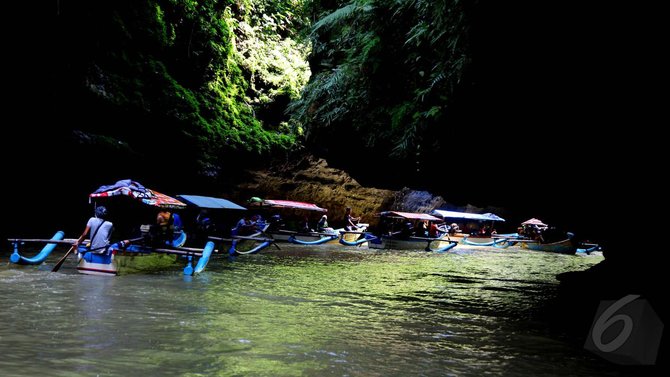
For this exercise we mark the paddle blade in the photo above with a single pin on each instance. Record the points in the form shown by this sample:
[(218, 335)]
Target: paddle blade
[(62, 260)]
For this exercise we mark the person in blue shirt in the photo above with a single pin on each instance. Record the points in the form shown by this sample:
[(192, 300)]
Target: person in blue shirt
[(245, 226)]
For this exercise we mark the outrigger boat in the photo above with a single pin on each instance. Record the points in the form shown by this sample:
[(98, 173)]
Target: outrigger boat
[(477, 238), (533, 238), (109, 260), (275, 231), (239, 244), (246, 244), (403, 240), (566, 246), (114, 258)]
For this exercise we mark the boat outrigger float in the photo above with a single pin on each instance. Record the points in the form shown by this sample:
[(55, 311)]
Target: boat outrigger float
[(51, 244)]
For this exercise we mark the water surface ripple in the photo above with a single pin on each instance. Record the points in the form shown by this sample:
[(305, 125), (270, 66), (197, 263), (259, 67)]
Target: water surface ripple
[(295, 312)]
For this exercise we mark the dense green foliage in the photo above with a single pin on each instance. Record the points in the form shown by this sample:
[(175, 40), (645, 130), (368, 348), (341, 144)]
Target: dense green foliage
[(214, 79), (383, 74), (271, 49), (184, 74)]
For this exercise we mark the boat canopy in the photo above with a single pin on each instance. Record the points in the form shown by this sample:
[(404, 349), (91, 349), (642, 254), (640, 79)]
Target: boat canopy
[(270, 203), (137, 191), (493, 216), (534, 221), (466, 215), (209, 202), (409, 215)]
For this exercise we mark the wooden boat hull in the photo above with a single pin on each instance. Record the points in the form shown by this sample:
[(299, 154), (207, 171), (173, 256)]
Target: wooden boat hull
[(353, 237), (97, 264), (135, 258), (416, 244), (562, 247), (139, 258), (133, 263), (502, 241), (117, 264), (473, 240)]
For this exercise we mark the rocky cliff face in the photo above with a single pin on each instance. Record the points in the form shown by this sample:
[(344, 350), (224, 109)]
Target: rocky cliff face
[(311, 180)]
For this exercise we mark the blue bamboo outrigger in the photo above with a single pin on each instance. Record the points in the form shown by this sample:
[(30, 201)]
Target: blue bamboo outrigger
[(40, 257)]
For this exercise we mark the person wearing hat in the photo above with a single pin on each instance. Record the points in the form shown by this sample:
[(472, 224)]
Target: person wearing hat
[(322, 225), (100, 229)]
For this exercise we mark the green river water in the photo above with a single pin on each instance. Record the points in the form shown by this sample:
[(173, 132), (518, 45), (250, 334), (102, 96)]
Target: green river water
[(295, 312)]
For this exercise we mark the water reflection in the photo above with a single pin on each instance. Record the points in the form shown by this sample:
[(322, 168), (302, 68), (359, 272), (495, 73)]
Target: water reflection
[(295, 312)]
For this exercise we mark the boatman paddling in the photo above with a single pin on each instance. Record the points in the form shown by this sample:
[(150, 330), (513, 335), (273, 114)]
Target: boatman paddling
[(100, 229)]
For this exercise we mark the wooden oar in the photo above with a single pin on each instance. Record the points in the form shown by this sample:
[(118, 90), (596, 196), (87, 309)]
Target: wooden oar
[(60, 262)]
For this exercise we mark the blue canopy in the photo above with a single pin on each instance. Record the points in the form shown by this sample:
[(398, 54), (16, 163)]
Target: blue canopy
[(465, 215), (209, 202)]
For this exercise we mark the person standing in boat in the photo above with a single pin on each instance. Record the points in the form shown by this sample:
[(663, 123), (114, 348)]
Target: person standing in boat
[(100, 229)]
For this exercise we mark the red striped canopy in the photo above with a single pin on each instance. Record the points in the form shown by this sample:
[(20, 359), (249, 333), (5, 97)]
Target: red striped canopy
[(137, 191), (287, 204)]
